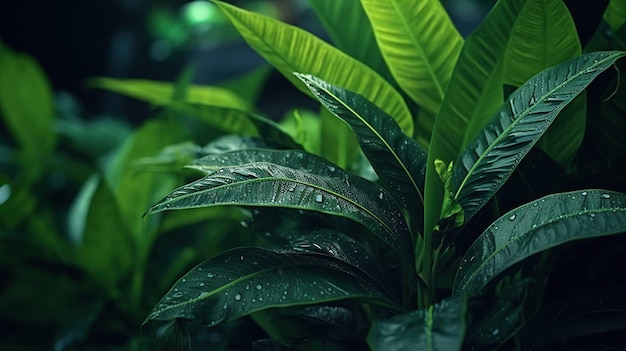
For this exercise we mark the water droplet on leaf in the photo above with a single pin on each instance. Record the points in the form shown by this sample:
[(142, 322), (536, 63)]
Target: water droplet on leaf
[(512, 217), (606, 196), (237, 297), (319, 198)]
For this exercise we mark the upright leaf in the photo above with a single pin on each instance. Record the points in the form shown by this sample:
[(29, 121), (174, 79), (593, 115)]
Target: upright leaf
[(538, 226), (245, 280), (615, 14), (440, 327), (397, 159), (338, 143), (291, 49), (420, 45), (270, 185), (490, 159)]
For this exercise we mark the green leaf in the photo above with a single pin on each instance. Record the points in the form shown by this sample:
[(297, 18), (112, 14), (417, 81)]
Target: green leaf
[(304, 126), (440, 327), (338, 143), (420, 45), (545, 35), (397, 159), (474, 94), (162, 93), (538, 226), (487, 163), (349, 28), (26, 105), (246, 280), (291, 49), (615, 14), (270, 185)]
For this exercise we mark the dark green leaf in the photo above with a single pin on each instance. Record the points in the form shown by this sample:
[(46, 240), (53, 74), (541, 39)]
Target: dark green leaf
[(490, 159), (538, 226), (270, 185), (440, 327), (397, 159), (245, 280)]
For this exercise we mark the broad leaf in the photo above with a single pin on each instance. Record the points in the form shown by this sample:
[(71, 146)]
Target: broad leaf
[(490, 159), (271, 185), (350, 31), (538, 226), (420, 45), (397, 159), (440, 327), (544, 36), (338, 144), (291, 49), (244, 280), (615, 14), (162, 93)]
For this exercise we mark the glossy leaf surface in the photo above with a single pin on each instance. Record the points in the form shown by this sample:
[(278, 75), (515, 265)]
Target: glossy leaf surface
[(440, 327), (271, 185), (420, 45), (244, 280), (397, 159), (538, 226), (290, 49), (490, 159)]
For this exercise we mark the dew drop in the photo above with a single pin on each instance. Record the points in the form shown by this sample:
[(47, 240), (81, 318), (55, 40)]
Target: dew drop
[(225, 305), (259, 286), (244, 224), (291, 188), (512, 217), (238, 297), (241, 258), (331, 168), (592, 215), (184, 280), (178, 294), (584, 193), (535, 204), (495, 332), (606, 196), (319, 198), (210, 275), (380, 196), (201, 284)]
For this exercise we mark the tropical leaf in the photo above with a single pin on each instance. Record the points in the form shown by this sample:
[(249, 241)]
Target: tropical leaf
[(397, 159), (440, 327), (420, 45), (338, 144), (244, 280), (474, 94), (487, 162), (545, 35), (351, 32), (162, 93), (290, 49), (538, 226), (270, 185), (615, 14)]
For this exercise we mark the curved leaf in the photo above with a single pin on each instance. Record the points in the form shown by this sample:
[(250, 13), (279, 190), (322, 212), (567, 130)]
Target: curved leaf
[(349, 28), (487, 162), (535, 227), (162, 93), (270, 185), (615, 14), (440, 327), (397, 159), (420, 45), (244, 280), (291, 49)]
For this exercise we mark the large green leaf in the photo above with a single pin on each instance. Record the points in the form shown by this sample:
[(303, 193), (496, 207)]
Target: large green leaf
[(271, 185), (291, 49), (338, 144), (420, 45), (244, 280), (440, 327), (545, 35), (162, 93), (490, 159), (397, 159), (615, 14), (474, 94), (538, 226), (349, 28)]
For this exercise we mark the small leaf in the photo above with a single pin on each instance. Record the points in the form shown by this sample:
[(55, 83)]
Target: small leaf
[(490, 159), (271, 185), (244, 280), (538, 226), (440, 327), (291, 49)]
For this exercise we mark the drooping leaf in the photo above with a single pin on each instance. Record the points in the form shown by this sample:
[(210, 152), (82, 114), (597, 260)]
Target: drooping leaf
[(538, 226), (420, 45), (490, 159), (440, 327), (351, 32), (290, 49), (244, 280), (544, 36), (474, 94), (397, 159), (271, 185), (162, 93)]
